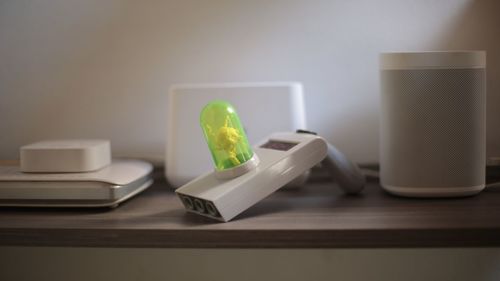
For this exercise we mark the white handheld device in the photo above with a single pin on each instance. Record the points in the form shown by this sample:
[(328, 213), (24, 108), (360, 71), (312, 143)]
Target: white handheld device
[(244, 176), (282, 157)]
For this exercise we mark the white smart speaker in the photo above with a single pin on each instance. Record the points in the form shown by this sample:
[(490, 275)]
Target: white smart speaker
[(433, 131)]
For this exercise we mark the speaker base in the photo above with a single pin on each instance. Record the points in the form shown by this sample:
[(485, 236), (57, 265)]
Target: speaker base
[(433, 191)]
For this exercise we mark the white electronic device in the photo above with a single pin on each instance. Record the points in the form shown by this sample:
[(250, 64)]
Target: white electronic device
[(282, 156), (108, 186), (433, 123), (60, 156), (265, 108)]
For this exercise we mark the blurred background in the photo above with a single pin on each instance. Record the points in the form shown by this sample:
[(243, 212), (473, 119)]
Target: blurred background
[(87, 69), (102, 69)]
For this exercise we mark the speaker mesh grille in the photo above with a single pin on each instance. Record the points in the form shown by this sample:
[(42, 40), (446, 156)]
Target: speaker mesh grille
[(433, 127)]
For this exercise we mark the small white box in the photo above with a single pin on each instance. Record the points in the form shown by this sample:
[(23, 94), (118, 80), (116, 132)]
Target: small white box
[(65, 156)]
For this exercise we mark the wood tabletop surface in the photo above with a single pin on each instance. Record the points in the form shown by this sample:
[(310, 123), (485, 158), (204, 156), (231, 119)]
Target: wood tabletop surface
[(314, 216)]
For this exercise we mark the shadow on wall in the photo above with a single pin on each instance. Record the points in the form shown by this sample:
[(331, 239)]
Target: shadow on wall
[(473, 30)]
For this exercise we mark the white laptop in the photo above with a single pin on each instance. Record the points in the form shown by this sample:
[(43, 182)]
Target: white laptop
[(264, 108)]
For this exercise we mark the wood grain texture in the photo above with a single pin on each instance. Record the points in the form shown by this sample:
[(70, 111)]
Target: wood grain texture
[(318, 215)]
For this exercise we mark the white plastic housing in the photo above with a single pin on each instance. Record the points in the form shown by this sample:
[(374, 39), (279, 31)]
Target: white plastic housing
[(432, 125), (61, 156), (264, 108), (224, 199)]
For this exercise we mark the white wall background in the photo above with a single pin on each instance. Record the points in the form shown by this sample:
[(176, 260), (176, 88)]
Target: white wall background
[(93, 68)]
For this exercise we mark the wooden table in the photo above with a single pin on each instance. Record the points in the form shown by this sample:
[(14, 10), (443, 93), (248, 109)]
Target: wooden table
[(318, 215)]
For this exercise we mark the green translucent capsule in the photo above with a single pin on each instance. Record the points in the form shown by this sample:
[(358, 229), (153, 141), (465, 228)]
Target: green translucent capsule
[(226, 140)]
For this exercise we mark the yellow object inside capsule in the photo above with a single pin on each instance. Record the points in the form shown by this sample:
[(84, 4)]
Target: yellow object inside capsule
[(225, 136)]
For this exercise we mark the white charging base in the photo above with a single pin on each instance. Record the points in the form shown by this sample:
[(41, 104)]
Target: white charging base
[(107, 187)]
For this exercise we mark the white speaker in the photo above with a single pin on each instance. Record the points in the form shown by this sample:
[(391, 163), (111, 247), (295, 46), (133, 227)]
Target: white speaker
[(432, 127)]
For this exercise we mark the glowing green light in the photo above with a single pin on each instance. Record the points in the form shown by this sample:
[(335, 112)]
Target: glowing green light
[(225, 136)]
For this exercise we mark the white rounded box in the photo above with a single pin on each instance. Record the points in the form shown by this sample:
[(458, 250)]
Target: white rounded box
[(55, 156), (432, 129)]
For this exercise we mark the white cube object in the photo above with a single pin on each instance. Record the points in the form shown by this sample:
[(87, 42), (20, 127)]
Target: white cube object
[(65, 156)]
